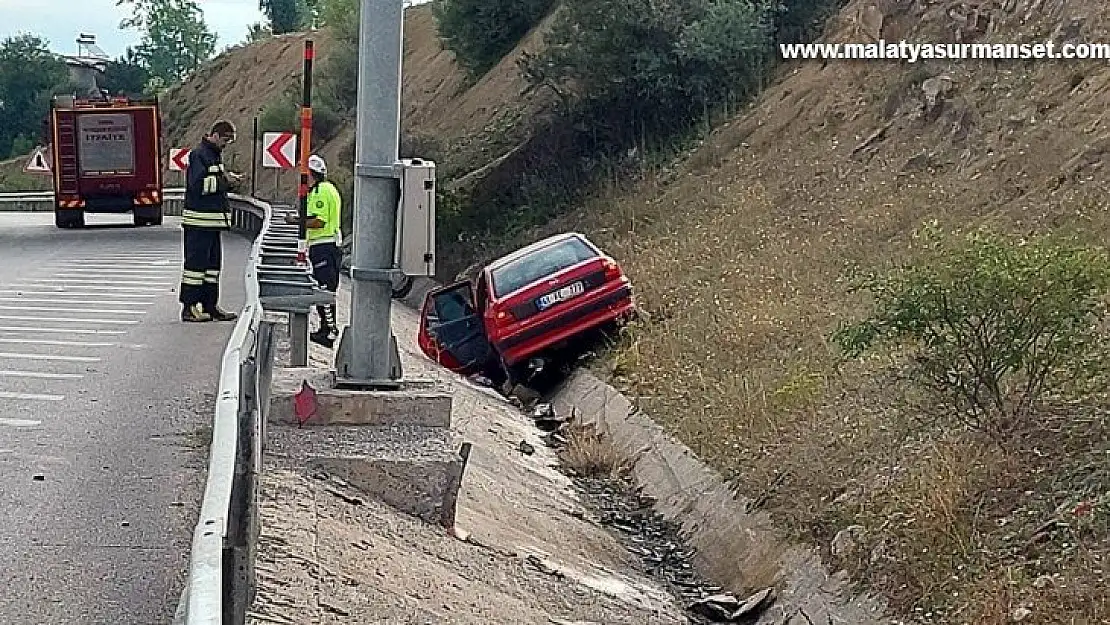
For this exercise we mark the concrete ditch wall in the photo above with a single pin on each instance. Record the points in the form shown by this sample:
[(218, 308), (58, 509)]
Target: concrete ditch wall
[(738, 549)]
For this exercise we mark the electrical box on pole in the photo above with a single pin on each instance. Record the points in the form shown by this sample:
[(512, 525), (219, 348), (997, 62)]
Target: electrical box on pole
[(416, 219)]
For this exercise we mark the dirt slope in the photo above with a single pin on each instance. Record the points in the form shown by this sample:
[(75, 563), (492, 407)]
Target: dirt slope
[(738, 252), (461, 126)]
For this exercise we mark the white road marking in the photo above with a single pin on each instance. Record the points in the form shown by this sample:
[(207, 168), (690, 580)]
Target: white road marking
[(83, 282), (60, 330), (83, 268), (31, 396), (69, 319), (91, 287), (16, 356), (98, 311), (77, 302), (56, 343), (127, 258), (41, 374), (113, 278), (21, 295), (20, 423), (115, 275)]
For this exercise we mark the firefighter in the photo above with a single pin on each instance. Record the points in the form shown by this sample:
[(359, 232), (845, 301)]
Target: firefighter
[(323, 237), (204, 218)]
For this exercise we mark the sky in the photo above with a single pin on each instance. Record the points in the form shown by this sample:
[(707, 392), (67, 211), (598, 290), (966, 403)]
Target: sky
[(60, 21)]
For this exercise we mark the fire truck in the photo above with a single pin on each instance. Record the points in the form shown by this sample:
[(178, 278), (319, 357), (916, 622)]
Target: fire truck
[(107, 158)]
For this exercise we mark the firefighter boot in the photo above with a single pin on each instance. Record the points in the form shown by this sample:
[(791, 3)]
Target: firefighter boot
[(194, 313), (326, 334), (223, 315)]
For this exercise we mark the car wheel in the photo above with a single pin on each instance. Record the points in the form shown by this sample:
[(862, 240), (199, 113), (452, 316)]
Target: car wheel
[(402, 286)]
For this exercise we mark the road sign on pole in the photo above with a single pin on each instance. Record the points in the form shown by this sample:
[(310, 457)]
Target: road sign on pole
[(279, 150), (179, 159), (38, 163)]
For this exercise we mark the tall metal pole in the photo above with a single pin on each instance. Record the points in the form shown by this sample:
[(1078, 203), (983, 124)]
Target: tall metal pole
[(365, 355)]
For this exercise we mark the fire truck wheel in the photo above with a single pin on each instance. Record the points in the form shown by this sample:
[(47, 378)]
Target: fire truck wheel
[(69, 219)]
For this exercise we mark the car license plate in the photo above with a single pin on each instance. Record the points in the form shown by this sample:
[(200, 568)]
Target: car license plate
[(562, 295)]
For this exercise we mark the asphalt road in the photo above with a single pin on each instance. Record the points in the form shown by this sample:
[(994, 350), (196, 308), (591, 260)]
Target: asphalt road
[(106, 400)]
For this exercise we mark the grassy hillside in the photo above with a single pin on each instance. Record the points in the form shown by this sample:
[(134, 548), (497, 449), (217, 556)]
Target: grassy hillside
[(740, 252), (463, 126)]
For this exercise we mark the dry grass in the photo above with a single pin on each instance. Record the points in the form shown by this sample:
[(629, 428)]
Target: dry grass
[(588, 453)]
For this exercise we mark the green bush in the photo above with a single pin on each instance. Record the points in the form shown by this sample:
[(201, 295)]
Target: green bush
[(284, 115), (650, 68), (992, 325), (800, 21), (482, 32)]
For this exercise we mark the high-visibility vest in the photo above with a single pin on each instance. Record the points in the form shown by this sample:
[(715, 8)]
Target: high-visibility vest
[(324, 203)]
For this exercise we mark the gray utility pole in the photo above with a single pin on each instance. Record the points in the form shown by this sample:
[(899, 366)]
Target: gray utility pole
[(367, 351)]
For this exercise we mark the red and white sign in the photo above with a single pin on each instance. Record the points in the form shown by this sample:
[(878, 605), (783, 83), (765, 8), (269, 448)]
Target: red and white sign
[(39, 163), (279, 150), (179, 159)]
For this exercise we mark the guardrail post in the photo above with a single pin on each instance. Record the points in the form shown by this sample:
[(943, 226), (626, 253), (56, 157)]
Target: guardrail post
[(298, 338)]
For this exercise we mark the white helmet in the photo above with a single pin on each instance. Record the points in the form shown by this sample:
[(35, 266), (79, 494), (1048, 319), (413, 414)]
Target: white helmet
[(317, 164)]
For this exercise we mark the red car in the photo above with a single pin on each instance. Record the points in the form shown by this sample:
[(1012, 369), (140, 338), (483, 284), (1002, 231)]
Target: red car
[(523, 305)]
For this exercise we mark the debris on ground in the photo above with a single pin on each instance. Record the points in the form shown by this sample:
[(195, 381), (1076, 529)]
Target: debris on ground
[(622, 507)]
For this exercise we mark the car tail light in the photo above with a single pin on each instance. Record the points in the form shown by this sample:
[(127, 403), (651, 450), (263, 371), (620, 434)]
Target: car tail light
[(612, 270), (503, 318)]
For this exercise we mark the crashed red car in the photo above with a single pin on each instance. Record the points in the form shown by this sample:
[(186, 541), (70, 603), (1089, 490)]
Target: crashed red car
[(523, 305)]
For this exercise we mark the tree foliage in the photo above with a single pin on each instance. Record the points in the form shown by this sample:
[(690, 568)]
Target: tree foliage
[(654, 66), (288, 16), (482, 32), (992, 325), (30, 75), (125, 76), (176, 40)]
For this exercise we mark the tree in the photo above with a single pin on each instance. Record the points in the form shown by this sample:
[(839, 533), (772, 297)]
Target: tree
[(175, 40), (288, 16), (481, 32), (30, 75), (125, 76), (992, 325)]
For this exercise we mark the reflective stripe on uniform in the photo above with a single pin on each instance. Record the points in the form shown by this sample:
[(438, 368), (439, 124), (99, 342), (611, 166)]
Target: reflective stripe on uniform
[(212, 276), (212, 180), (192, 278), (327, 239), (204, 219)]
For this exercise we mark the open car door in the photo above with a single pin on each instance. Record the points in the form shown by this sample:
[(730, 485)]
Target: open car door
[(451, 330)]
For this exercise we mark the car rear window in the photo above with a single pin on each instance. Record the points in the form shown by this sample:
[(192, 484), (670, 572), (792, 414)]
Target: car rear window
[(539, 263)]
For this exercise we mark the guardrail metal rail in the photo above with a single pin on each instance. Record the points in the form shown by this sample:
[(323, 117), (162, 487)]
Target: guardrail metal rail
[(220, 582), (173, 199)]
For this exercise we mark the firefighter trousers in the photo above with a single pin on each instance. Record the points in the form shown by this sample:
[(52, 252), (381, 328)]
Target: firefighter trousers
[(200, 278)]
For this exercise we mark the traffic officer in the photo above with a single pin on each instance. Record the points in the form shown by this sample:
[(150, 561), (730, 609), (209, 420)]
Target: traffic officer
[(323, 237), (204, 218)]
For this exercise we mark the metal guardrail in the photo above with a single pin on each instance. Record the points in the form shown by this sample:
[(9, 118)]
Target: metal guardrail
[(35, 201), (219, 586)]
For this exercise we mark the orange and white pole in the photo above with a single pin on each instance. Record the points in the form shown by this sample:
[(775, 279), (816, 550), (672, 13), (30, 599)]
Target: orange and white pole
[(306, 151)]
